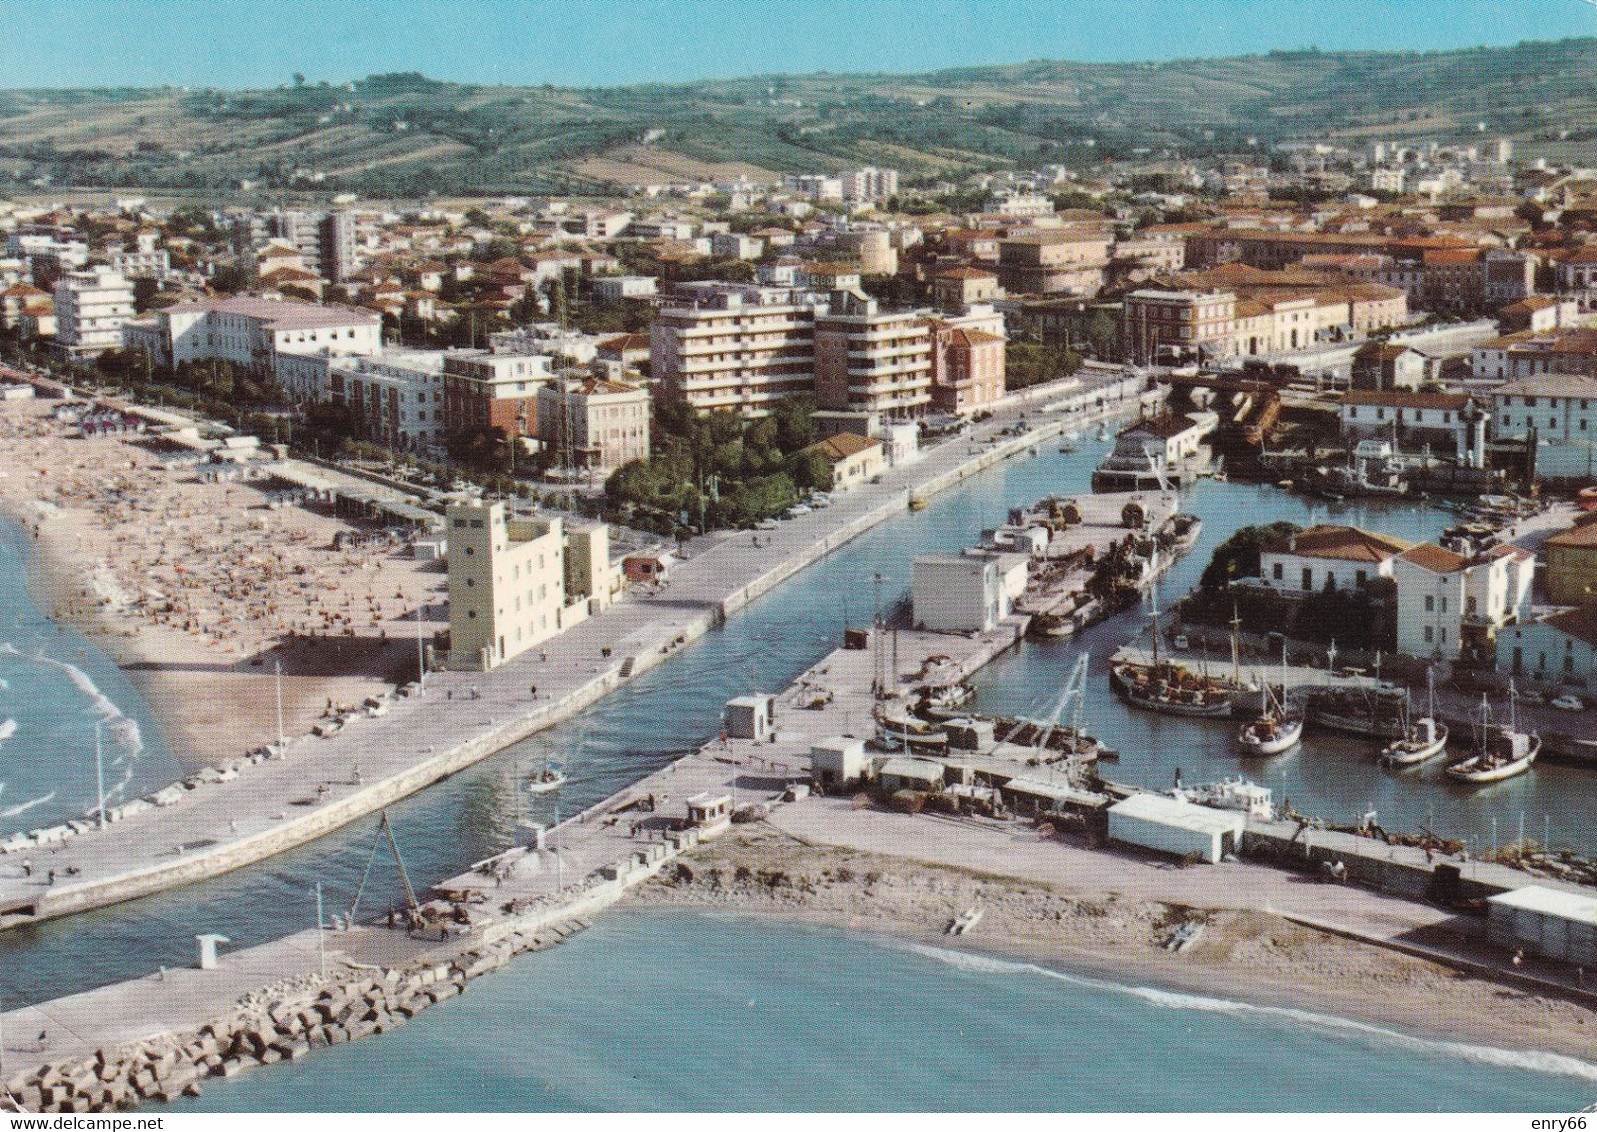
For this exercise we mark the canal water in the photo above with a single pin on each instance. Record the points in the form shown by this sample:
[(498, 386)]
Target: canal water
[(678, 706), (773, 1016)]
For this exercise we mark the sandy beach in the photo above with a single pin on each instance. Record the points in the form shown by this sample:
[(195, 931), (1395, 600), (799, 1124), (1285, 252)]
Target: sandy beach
[(1252, 956), (199, 589)]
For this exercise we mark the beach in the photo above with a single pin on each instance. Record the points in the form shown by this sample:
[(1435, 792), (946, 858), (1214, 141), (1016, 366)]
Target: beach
[(1251, 955), (199, 590)]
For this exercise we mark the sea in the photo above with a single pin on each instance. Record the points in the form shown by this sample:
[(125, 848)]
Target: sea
[(48, 761), (690, 1011)]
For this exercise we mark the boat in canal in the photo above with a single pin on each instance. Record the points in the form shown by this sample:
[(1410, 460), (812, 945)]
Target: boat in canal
[(1423, 738), (1368, 711), (1500, 752), (1170, 688), (545, 779), (1276, 729)]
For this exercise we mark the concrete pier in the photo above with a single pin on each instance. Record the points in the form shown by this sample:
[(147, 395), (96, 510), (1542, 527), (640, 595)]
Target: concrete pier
[(256, 807)]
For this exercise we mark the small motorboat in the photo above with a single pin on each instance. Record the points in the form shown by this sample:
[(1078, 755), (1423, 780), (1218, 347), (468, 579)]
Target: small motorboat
[(548, 778)]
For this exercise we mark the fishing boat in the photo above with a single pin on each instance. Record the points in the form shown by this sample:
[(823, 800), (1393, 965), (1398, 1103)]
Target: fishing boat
[(1275, 729), (1170, 688), (948, 696), (1500, 752), (1423, 738), (545, 779), (1373, 711)]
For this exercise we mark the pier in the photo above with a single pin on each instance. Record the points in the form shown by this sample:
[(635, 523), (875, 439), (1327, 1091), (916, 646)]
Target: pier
[(249, 808)]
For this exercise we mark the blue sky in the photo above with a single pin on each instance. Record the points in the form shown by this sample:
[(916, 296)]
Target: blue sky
[(241, 43)]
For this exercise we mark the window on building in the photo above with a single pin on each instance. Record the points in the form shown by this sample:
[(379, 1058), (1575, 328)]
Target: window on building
[(1430, 603)]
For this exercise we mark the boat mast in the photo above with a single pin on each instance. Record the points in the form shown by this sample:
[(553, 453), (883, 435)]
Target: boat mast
[(1155, 613), (1236, 659)]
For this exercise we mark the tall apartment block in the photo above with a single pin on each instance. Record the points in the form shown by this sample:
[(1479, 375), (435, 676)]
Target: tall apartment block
[(870, 360), (735, 347)]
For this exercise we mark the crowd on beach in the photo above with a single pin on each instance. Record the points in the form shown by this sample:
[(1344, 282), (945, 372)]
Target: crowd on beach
[(211, 560)]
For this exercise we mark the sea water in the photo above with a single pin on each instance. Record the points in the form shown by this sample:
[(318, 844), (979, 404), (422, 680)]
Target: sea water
[(669, 1010), (56, 687)]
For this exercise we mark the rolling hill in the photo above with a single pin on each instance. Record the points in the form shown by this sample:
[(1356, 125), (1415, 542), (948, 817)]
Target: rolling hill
[(405, 134)]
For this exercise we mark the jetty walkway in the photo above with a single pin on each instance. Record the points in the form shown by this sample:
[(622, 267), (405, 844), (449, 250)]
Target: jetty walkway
[(247, 809)]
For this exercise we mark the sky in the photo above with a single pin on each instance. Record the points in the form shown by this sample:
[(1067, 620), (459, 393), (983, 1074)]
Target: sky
[(252, 43)]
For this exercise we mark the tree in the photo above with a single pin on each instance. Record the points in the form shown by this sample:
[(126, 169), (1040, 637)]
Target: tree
[(1239, 555)]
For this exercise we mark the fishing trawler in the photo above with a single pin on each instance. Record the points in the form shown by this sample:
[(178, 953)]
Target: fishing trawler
[(1371, 711), (1500, 752), (1423, 738), (1171, 688)]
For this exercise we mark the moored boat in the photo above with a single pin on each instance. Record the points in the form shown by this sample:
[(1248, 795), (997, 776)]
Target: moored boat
[(1423, 738), (1275, 730), (1500, 752)]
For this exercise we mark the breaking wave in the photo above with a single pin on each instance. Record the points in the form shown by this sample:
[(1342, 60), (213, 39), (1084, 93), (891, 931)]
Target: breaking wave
[(23, 807), (7, 729), (1535, 1061)]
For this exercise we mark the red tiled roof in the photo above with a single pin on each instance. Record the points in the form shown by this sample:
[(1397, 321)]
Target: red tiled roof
[(1436, 559), (1349, 544)]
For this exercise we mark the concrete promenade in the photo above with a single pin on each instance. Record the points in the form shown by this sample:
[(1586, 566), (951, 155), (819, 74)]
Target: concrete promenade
[(317, 785), (593, 859)]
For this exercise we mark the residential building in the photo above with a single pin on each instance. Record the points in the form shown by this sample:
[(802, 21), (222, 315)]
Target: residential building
[(1513, 357), (1450, 605), (485, 392), (854, 459), (1442, 420), (1572, 564), (1557, 648), (1051, 262), (91, 307), (968, 360), (589, 423), (614, 288), (1160, 326), (1557, 415), (256, 332), (957, 288), (515, 581), (1330, 557), (735, 245), (1383, 367), (868, 184), (396, 399), (735, 347), (872, 360)]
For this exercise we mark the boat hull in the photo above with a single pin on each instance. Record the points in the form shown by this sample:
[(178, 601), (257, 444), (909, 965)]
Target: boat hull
[(1404, 753), (1478, 771), (1287, 736)]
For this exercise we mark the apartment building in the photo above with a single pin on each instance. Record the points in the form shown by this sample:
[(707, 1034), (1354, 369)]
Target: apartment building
[(1160, 325), (515, 581), (589, 423), (1557, 414), (91, 308), (485, 391), (968, 360), (1451, 605), (740, 348), (328, 242), (868, 184), (871, 360), (1516, 357), (1054, 262), (255, 332), (396, 400), (956, 288)]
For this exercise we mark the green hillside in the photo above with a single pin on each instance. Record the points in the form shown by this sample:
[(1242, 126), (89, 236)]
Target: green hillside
[(404, 134)]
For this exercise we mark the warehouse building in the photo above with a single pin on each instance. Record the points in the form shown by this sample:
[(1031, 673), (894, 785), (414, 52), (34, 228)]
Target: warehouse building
[(1152, 821), (1547, 921)]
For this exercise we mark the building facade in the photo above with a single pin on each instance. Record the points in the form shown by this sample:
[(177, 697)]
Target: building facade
[(589, 423), (735, 348), (91, 308), (871, 360)]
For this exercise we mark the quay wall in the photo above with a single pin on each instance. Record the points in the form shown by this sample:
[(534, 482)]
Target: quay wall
[(212, 861)]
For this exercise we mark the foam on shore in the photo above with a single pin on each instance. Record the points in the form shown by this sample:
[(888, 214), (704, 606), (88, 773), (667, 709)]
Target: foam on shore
[(1535, 1061)]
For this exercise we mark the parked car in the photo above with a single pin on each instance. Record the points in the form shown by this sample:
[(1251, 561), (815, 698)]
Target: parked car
[(1569, 702)]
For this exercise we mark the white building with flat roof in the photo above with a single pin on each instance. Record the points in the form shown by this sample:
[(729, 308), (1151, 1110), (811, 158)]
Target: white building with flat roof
[(1181, 829), (396, 398), (517, 580), (91, 308), (252, 331), (958, 593)]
